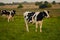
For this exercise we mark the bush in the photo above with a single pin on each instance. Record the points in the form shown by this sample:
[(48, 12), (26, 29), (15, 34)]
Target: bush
[(58, 3), (45, 5), (1, 4), (20, 6), (49, 5), (38, 3), (42, 4)]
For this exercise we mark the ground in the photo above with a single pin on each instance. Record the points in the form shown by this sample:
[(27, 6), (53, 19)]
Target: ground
[(16, 30)]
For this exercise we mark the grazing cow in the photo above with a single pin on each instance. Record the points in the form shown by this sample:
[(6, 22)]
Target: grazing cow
[(9, 14), (35, 17)]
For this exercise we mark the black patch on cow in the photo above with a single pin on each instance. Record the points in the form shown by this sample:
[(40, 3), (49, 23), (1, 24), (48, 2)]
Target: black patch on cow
[(30, 16), (41, 15), (5, 12), (48, 11)]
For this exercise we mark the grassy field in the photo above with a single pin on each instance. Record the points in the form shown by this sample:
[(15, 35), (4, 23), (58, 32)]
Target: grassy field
[(15, 30)]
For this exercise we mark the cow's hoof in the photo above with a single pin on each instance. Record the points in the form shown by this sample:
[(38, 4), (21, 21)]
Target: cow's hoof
[(40, 30), (35, 30)]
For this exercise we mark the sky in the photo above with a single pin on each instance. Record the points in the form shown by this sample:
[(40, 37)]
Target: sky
[(10, 1)]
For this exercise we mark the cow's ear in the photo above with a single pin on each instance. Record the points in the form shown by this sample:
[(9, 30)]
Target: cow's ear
[(0, 10), (14, 11), (48, 11)]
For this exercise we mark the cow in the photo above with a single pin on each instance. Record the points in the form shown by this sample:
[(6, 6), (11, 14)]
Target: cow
[(35, 17), (8, 14)]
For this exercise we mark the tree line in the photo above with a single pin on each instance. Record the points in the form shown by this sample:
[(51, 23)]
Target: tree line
[(41, 4), (45, 4)]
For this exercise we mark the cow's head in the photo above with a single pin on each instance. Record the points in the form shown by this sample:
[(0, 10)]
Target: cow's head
[(13, 11), (46, 13)]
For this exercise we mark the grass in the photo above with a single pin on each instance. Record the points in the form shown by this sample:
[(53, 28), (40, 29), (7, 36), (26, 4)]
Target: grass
[(15, 30)]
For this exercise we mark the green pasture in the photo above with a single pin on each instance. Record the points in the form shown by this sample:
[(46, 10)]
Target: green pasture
[(16, 30)]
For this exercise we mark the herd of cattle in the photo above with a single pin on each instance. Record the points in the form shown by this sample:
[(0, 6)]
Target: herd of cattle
[(29, 17), (8, 14)]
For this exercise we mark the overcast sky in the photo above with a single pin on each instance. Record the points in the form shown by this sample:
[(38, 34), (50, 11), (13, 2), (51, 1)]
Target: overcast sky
[(10, 1)]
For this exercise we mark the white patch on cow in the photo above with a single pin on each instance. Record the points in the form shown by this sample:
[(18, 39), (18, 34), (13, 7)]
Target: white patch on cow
[(26, 13), (12, 11), (47, 13)]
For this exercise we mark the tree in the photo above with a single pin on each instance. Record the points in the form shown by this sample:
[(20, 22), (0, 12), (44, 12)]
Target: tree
[(20, 6), (1, 4), (45, 5), (46, 2), (38, 3), (53, 2)]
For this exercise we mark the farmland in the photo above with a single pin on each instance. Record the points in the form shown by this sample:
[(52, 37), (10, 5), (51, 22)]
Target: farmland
[(16, 30)]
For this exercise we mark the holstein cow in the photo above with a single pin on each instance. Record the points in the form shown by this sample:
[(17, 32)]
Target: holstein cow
[(9, 14), (35, 17)]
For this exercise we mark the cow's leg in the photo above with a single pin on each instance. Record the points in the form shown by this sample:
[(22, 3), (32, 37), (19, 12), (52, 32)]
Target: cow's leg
[(9, 18), (33, 20), (40, 23), (36, 26), (26, 25)]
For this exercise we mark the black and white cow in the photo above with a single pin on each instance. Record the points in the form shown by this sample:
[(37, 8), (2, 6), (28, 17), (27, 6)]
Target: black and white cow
[(8, 14), (35, 17)]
